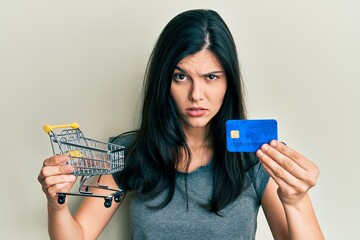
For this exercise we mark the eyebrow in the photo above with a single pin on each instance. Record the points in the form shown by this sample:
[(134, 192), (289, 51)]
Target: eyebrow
[(206, 74)]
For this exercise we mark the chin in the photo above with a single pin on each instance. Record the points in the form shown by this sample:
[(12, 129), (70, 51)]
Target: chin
[(197, 124), (192, 122)]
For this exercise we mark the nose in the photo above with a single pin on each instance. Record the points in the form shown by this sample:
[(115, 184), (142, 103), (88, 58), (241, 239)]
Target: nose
[(196, 91)]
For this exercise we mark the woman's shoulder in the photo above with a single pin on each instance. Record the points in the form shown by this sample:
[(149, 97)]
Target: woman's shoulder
[(256, 173)]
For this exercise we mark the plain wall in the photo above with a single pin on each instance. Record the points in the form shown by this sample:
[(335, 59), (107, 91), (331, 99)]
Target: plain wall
[(65, 61)]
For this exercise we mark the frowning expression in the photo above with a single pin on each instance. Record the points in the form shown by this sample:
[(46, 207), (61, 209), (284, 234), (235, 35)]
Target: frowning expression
[(198, 88)]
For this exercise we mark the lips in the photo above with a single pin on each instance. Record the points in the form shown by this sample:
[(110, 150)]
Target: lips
[(196, 111)]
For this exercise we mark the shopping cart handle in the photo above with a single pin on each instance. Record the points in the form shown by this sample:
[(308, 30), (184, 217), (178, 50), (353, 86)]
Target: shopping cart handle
[(48, 128)]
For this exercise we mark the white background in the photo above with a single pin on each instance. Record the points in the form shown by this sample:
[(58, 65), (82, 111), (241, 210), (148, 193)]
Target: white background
[(65, 61)]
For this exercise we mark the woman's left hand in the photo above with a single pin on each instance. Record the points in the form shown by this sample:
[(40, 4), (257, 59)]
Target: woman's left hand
[(293, 173)]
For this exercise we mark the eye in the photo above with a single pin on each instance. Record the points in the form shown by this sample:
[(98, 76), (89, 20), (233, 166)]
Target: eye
[(212, 77), (179, 77)]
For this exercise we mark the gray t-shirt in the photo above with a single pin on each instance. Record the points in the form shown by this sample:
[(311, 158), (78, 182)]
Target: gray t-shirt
[(177, 221)]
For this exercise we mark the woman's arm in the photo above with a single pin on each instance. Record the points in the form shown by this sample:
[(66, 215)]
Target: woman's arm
[(274, 211), (91, 217), (286, 201)]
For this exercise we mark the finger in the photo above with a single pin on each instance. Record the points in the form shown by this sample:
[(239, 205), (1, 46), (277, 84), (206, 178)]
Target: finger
[(299, 159), (56, 160), (302, 168), (54, 189), (283, 185), (48, 171), (280, 175), (282, 160), (288, 191), (54, 180)]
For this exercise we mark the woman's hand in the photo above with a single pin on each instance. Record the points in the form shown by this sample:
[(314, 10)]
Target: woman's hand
[(293, 173), (55, 176)]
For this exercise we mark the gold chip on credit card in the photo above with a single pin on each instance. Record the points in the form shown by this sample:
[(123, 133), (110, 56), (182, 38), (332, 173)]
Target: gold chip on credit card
[(235, 134)]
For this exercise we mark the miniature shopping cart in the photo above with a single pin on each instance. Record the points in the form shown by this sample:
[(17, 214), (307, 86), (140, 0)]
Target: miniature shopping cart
[(89, 158)]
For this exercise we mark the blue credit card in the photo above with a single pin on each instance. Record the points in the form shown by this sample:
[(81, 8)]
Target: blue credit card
[(249, 135)]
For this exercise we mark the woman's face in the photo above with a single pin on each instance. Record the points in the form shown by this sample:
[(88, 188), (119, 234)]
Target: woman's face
[(198, 88)]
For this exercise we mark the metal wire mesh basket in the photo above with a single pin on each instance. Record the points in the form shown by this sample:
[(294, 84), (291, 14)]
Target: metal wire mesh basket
[(88, 157)]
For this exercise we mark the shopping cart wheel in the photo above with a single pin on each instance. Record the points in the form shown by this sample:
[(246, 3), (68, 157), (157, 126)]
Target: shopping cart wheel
[(117, 198), (108, 202), (61, 198)]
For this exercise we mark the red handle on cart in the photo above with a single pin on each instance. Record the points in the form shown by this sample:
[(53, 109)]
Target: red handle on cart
[(48, 128)]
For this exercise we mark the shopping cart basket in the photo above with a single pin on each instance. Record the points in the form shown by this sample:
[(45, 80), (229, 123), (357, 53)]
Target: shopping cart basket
[(89, 158)]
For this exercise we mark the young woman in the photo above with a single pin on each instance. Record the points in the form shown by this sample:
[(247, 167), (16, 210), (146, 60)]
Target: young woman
[(182, 181)]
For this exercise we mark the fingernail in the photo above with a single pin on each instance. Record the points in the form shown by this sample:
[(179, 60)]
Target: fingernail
[(259, 153), (273, 143), (63, 157), (72, 177), (69, 168), (265, 147)]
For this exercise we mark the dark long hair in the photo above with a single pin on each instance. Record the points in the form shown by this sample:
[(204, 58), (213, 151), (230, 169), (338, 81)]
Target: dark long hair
[(151, 164)]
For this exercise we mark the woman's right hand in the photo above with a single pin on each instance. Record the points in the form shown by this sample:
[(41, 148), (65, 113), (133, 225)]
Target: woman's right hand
[(55, 176)]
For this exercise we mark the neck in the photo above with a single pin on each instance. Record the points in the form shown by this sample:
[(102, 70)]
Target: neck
[(200, 148), (196, 137)]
